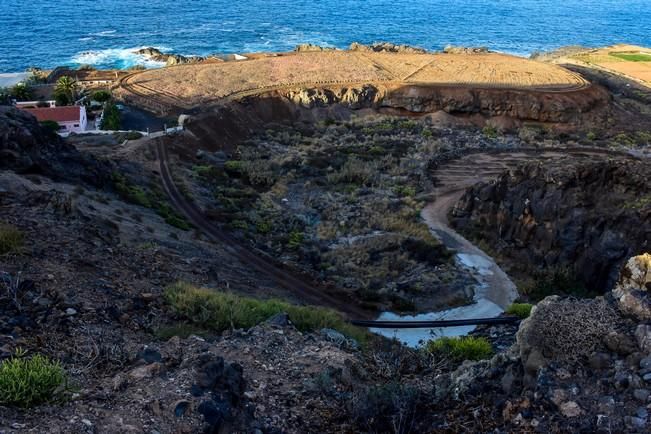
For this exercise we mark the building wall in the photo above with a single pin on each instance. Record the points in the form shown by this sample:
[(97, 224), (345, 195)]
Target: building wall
[(76, 126)]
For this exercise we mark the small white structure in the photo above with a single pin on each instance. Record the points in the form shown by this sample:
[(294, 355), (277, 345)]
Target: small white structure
[(71, 119), (35, 104)]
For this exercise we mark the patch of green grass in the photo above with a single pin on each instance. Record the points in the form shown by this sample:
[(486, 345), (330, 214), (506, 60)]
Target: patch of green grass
[(521, 310), (489, 132), (11, 239), (219, 311), (376, 150), (234, 167), (633, 57), (554, 281), (636, 204), (136, 195), (460, 348), (405, 190), (26, 382), (296, 239), (263, 226)]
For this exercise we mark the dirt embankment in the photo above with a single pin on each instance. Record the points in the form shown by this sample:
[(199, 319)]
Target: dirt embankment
[(588, 217)]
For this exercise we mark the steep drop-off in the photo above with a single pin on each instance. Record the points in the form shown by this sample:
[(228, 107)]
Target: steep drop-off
[(589, 217)]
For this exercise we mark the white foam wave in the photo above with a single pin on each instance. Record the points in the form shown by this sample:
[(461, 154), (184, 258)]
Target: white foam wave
[(86, 39), (105, 33), (120, 58)]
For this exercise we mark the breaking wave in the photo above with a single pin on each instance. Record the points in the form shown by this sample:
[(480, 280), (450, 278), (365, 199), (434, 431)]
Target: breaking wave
[(118, 58)]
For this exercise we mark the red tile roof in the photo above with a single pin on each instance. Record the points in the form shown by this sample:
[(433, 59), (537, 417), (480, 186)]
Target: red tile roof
[(57, 114)]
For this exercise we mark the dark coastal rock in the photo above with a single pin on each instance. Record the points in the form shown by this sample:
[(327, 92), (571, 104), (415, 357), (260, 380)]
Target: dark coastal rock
[(585, 217), (169, 59), (26, 147), (386, 47)]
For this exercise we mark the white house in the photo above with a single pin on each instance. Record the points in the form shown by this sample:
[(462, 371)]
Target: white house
[(71, 119)]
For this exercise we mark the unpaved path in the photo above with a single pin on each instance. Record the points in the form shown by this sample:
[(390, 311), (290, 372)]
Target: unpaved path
[(494, 291)]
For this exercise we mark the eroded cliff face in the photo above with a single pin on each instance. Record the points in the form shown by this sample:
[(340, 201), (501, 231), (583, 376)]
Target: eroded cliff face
[(517, 104), (589, 217)]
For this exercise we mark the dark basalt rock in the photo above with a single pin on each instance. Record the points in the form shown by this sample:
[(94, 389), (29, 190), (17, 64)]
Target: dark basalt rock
[(25, 147), (590, 217)]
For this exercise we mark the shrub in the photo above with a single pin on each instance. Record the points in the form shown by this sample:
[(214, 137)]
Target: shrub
[(133, 135), (386, 408), (461, 348), (521, 310), (489, 132), (221, 311), (25, 382), (136, 195), (11, 239), (263, 226), (51, 127), (234, 167), (181, 329), (295, 239), (102, 96), (553, 281), (111, 119)]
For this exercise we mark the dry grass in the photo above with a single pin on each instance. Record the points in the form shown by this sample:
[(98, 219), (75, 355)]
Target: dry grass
[(190, 85)]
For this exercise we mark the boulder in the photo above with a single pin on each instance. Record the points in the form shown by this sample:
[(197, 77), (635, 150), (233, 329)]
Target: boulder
[(632, 289), (564, 330)]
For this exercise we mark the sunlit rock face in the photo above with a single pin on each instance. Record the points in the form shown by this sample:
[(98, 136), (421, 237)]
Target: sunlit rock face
[(632, 289)]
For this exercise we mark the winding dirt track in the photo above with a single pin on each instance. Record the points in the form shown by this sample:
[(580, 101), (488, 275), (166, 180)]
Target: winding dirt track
[(305, 288), (454, 177), (452, 180)]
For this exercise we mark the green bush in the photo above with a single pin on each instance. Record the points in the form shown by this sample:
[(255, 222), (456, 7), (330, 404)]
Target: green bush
[(405, 190), (554, 281), (133, 135), (458, 349), (50, 126), (136, 195), (11, 239), (521, 310), (489, 132), (111, 119), (221, 311), (263, 226), (296, 239), (25, 382), (234, 167), (102, 96)]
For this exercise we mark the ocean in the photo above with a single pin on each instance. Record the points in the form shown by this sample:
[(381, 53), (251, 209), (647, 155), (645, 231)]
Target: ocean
[(105, 33)]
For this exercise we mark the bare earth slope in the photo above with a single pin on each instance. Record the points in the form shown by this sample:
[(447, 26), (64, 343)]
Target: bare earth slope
[(187, 86)]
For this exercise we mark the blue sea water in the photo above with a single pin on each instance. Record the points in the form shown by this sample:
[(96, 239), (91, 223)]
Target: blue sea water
[(105, 33)]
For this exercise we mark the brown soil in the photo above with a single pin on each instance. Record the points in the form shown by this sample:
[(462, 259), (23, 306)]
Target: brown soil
[(187, 86)]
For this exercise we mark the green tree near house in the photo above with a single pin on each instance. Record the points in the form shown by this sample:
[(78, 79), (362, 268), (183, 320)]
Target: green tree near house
[(102, 96), (22, 92), (111, 119), (65, 91)]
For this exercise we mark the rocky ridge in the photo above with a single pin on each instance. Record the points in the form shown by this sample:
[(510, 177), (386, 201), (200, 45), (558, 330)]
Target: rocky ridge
[(590, 217)]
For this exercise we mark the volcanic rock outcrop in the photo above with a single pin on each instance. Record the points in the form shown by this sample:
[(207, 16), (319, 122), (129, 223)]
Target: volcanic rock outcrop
[(26, 147), (589, 216)]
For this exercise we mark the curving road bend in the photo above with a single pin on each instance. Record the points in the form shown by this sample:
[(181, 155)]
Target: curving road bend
[(494, 290)]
